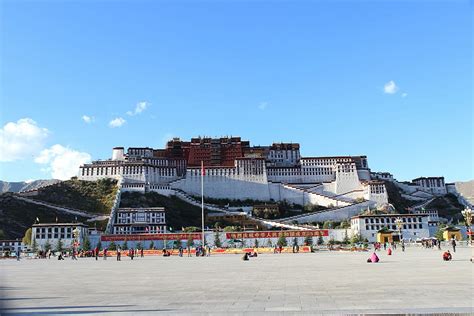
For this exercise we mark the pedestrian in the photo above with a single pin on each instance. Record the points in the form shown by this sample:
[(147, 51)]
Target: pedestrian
[(131, 253), (141, 253), (208, 251), (105, 253), (180, 251), (188, 250), (447, 256), (18, 252), (384, 246), (118, 254), (96, 252), (453, 243), (74, 254), (403, 245), (439, 244)]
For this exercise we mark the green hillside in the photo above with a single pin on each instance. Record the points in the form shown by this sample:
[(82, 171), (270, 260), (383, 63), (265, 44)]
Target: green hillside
[(92, 196), (16, 216)]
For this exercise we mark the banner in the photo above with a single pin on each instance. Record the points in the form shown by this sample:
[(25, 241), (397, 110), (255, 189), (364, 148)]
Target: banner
[(138, 237), (276, 234)]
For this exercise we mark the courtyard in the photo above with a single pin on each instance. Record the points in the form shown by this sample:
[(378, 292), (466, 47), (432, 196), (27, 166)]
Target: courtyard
[(416, 281)]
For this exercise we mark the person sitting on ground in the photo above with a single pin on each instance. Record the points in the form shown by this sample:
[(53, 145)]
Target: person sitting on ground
[(254, 254), (245, 257), (60, 257), (373, 258), (389, 251), (447, 256)]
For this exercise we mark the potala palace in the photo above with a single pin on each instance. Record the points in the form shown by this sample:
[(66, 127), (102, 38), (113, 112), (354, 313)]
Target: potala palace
[(236, 170)]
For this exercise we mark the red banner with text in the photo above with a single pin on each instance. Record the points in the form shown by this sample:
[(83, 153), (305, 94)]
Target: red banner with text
[(276, 234)]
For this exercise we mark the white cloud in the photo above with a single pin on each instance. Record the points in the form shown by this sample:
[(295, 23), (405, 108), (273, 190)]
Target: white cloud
[(263, 105), (117, 122), (390, 87), (139, 108), (88, 119), (21, 139), (404, 95), (62, 162)]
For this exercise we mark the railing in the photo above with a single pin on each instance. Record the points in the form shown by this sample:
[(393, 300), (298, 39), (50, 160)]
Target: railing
[(113, 211)]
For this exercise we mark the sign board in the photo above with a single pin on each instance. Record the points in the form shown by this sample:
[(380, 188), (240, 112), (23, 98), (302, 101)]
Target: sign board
[(276, 234)]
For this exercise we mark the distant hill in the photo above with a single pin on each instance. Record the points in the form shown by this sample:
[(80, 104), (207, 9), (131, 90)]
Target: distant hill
[(95, 197), (24, 186), (16, 216), (466, 189)]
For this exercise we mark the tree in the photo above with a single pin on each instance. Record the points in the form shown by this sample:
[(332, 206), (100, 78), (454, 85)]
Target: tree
[(269, 243), (345, 224), (282, 241), (190, 241), (87, 244), (346, 238), (47, 245), (256, 243), (177, 243), (59, 246), (125, 245), (308, 241), (139, 246), (357, 238), (34, 246), (320, 240), (112, 246), (440, 231), (152, 245), (217, 240), (328, 225), (27, 238)]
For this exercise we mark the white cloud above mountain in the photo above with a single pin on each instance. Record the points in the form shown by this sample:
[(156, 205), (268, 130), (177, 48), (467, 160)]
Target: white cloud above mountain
[(21, 139), (62, 162)]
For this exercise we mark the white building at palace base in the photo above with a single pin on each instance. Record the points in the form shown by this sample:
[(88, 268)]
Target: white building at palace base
[(414, 226), (53, 232)]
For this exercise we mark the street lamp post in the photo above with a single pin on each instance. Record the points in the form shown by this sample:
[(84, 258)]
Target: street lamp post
[(467, 213)]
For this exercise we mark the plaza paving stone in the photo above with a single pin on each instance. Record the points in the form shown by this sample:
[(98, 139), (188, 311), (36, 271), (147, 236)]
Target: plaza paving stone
[(417, 281)]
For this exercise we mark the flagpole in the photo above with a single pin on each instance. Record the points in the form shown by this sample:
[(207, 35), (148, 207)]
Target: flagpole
[(202, 201)]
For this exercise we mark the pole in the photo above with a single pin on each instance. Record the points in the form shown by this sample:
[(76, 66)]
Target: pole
[(202, 202)]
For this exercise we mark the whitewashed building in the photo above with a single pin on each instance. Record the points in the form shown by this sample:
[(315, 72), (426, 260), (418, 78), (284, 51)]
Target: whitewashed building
[(140, 220), (415, 226), (11, 246), (434, 185), (53, 232)]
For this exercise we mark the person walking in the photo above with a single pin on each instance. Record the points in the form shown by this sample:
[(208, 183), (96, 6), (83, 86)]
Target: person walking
[(180, 251), (131, 253), (105, 253), (119, 254), (96, 253), (18, 252), (403, 245), (453, 243), (188, 250), (141, 253)]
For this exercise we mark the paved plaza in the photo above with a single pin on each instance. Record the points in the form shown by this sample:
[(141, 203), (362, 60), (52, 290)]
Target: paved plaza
[(417, 281)]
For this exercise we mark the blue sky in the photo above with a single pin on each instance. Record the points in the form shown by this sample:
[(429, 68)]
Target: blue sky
[(311, 72)]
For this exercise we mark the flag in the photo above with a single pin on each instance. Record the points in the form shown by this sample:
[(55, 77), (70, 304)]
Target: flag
[(37, 220), (203, 171)]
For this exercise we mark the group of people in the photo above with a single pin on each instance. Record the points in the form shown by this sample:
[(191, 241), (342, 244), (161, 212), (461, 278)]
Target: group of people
[(248, 255)]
